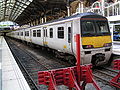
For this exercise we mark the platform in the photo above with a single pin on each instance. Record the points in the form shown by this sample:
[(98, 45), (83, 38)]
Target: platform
[(11, 77), (116, 47)]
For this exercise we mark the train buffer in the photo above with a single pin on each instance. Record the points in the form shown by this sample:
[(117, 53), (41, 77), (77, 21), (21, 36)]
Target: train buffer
[(116, 80), (74, 77)]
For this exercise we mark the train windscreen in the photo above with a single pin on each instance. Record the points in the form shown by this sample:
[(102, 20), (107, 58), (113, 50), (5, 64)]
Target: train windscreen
[(94, 28)]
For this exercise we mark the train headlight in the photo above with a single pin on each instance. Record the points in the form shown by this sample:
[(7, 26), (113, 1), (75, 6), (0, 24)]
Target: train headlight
[(107, 44), (87, 46)]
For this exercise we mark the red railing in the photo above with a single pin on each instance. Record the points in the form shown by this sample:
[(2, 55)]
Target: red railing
[(116, 80), (74, 77)]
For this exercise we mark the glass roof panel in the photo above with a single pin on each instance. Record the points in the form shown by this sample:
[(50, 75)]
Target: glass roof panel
[(11, 9)]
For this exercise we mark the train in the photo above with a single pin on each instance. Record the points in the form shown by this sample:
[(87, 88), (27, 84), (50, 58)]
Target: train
[(115, 31), (59, 36)]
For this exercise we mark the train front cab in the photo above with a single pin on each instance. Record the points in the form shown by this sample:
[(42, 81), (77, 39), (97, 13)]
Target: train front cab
[(96, 40)]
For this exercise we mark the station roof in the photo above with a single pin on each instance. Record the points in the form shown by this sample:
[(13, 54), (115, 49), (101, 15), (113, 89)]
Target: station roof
[(40, 8), (11, 9), (25, 11)]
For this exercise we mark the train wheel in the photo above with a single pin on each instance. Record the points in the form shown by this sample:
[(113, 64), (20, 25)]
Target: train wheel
[(96, 59)]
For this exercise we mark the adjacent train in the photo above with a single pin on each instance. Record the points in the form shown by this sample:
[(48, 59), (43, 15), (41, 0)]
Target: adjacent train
[(115, 31), (59, 35)]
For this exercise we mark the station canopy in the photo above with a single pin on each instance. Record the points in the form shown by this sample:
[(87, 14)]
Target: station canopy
[(25, 11), (11, 9)]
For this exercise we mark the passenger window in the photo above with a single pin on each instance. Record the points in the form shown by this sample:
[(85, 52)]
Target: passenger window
[(69, 34), (46, 32), (27, 33), (38, 33), (34, 33), (61, 32), (21, 33), (51, 32)]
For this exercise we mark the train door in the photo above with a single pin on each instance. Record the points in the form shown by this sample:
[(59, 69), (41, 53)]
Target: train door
[(30, 33), (44, 36), (69, 35), (23, 34), (75, 30)]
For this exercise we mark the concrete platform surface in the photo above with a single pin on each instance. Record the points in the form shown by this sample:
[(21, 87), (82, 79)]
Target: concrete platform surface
[(11, 77)]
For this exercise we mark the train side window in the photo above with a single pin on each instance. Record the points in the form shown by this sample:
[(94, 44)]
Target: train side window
[(38, 33), (46, 32), (21, 33), (51, 32), (69, 34), (61, 32), (34, 33), (27, 33), (18, 33)]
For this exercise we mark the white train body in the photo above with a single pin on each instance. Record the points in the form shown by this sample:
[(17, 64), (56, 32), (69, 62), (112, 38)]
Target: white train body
[(60, 35)]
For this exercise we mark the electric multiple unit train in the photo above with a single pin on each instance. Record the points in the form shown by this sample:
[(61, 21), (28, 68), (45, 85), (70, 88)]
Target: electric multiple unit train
[(59, 35)]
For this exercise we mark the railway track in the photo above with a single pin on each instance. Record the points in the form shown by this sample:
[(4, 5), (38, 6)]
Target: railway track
[(104, 74), (30, 65)]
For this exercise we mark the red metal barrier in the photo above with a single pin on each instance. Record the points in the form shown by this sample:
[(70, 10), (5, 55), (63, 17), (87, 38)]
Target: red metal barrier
[(116, 80), (74, 77)]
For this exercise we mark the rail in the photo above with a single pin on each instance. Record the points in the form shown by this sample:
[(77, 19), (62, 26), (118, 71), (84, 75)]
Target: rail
[(27, 75), (104, 74)]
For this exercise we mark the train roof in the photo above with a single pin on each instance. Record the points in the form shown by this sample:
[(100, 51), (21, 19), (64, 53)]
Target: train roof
[(74, 16), (70, 17)]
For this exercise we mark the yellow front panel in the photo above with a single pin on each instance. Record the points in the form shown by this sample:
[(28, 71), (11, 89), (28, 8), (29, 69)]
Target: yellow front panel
[(97, 41)]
